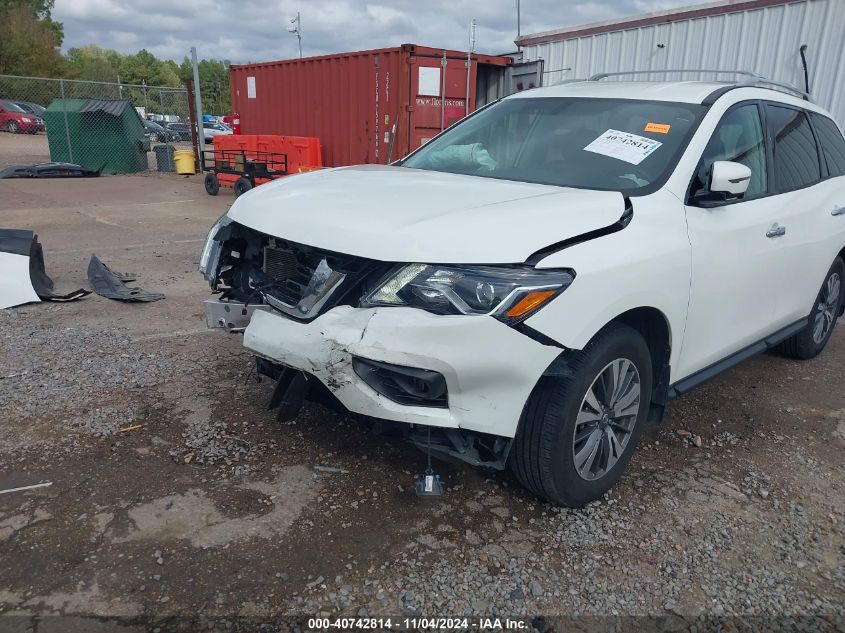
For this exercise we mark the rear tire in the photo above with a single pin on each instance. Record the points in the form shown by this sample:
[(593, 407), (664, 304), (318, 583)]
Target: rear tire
[(242, 185), (810, 341), (212, 185), (578, 432)]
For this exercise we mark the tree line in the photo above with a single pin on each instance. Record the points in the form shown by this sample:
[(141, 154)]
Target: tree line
[(30, 42)]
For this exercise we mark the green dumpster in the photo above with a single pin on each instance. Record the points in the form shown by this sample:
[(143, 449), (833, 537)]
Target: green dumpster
[(97, 133)]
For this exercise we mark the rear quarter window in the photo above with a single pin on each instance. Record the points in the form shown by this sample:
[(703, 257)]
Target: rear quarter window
[(831, 142)]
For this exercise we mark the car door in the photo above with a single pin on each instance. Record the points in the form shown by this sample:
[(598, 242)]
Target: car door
[(812, 183), (801, 194), (832, 212), (736, 245)]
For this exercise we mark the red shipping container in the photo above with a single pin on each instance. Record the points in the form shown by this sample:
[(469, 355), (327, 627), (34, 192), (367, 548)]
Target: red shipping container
[(351, 101)]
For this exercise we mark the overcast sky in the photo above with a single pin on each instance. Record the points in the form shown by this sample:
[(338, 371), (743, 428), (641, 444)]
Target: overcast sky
[(256, 30)]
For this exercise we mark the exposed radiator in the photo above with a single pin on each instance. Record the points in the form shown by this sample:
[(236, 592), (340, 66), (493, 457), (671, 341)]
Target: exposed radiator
[(279, 263)]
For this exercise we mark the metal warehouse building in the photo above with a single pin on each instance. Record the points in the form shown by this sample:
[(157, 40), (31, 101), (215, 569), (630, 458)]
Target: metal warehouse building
[(763, 36)]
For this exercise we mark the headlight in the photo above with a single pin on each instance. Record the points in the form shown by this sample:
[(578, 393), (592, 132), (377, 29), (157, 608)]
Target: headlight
[(509, 294), (26, 120), (208, 247)]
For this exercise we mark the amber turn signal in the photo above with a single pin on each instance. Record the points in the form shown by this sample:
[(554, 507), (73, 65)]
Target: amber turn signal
[(529, 303)]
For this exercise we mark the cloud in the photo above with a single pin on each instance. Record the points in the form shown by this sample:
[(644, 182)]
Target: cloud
[(256, 30)]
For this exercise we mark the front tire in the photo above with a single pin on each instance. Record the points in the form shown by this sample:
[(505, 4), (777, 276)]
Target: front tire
[(578, 432), (810, 341), (14, 128)]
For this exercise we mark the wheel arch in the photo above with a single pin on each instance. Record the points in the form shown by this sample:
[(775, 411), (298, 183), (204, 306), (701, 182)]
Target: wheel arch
[(653, 325)]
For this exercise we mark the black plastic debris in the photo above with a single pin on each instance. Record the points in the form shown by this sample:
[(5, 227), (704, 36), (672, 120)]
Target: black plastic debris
[(16, 241), (109, 284), (42, 283), (49, 170)]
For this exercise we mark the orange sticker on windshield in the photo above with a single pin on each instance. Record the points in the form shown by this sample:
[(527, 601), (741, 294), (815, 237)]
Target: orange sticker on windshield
[(657, 128)]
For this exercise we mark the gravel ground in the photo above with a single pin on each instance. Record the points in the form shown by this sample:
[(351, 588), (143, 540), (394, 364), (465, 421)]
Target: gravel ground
[(174, 492)]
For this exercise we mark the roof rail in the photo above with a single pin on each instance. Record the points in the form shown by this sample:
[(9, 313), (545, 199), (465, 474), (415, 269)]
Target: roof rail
[(746, 73), (752, 79), (777, 84)]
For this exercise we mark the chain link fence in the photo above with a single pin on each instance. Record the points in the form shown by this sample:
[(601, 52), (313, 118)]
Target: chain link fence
[(112, 127)]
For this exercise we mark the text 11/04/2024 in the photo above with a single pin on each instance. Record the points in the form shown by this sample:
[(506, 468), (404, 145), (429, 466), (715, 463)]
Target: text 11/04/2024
[(418, 624)]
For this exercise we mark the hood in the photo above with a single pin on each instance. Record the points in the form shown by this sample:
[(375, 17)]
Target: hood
[(399, 214)]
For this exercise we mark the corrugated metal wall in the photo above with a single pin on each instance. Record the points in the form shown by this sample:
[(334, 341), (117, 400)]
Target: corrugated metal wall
[(764, 40)]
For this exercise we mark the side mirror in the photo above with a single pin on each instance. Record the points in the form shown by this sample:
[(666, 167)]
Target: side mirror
[(729, 178)]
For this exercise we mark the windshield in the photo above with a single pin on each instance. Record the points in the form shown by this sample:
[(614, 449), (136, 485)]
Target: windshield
[(608, 144)]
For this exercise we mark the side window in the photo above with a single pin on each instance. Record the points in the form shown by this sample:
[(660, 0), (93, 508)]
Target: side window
[(737, 138), (832, 143), (795, 153)]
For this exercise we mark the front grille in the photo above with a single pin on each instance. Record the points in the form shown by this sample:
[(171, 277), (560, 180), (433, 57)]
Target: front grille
[(255, 267), (288, 268)]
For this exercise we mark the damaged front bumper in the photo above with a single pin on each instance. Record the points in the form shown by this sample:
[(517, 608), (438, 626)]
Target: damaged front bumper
[(456, 384), (489, 369)]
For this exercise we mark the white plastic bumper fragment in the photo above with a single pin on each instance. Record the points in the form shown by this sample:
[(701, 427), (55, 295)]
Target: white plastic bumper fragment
[(23, 278), (15, 283)]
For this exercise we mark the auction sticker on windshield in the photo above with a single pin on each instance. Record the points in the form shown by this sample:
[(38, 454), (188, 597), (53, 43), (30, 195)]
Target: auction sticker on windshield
[(625, 146)]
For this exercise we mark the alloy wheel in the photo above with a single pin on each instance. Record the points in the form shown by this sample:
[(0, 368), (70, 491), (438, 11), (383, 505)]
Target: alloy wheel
[(606, 419), (826, 308)]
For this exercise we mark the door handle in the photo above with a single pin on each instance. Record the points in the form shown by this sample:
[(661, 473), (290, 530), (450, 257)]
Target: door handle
[(838, 211), (776, 231)]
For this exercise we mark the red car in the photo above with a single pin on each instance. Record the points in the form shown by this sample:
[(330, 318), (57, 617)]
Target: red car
[(16, 120)]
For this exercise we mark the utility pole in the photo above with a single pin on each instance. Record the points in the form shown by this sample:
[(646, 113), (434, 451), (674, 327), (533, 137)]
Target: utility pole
[(198, 107), (296, 29), (518, 20)]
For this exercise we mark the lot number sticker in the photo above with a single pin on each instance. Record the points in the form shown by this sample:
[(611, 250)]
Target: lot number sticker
[(625, 146)]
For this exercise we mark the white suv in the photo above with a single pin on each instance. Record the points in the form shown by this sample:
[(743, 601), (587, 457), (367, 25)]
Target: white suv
[(538, 281)]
